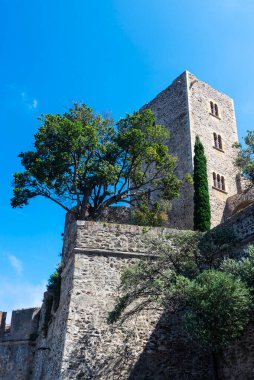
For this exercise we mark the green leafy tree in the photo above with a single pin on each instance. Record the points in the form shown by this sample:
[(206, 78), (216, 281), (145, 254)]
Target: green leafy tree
[(218, 308), (150, 213), (202, 212), (245, 157), (85, 163)]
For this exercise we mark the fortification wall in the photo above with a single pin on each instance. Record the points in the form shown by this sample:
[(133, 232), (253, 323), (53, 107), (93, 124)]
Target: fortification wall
[(17, 344), (144, 347), (80, 344), (54, 325), (136, 349)]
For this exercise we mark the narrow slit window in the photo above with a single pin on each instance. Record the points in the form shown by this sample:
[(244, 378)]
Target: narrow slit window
[(219, 142), (212, 107), (215, 140), (218, 181), (216, 111), (222, 183), (214, 180)]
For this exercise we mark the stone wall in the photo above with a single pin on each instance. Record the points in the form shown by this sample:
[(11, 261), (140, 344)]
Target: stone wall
[(137, 349), (79, 343), (143, 347), (147, 346), (17, 344), (203, 123), (53, 327), (238, 202), (184, 109), (16, 360), (171, 110), (242, 224)]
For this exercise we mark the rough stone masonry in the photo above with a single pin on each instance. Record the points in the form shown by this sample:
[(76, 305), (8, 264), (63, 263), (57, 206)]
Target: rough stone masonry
[(80, 344), (185, 109)]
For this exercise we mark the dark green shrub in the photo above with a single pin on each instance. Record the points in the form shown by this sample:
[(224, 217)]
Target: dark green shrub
[(202, 211)]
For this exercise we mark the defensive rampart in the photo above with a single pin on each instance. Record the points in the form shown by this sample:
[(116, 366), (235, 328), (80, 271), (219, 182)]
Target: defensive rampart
[(76, 342)]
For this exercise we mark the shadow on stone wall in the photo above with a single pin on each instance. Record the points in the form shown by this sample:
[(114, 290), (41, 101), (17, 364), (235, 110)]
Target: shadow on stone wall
[(168, 354)]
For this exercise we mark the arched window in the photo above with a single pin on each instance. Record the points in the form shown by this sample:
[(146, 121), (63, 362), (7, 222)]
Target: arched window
[(215, 140), (218, 181), (212, 108), (219, 142), (216, 111), (214, 180), (222, 183)]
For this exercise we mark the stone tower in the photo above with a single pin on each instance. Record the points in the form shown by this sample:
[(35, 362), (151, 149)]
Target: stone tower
[(190, 107)]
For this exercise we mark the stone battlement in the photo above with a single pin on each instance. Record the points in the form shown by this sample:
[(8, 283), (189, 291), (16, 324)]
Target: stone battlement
[(23, 326)]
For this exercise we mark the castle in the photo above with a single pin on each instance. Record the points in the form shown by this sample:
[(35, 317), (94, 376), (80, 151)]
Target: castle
[(190, 107), (72, 340)]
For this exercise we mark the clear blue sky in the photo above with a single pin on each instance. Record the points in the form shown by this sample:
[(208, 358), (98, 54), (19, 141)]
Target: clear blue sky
[(115, 55)]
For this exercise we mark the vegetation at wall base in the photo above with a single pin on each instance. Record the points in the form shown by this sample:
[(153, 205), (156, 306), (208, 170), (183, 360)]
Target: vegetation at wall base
[(213, 291), (202, 211), (218, 309)]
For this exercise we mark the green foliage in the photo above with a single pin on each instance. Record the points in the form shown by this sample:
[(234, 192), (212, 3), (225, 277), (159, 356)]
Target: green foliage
[(242, 269), (150, 215), (189, 274), (215, 244), (245, 157), (54, 286), (202, 212), (218, 308), (81, 159), (53, 297)]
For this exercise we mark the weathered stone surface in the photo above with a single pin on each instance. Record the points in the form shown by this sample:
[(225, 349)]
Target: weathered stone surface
[(146, 346), (171, 110), (238, 202), (184, 108), (80, 344), (17, 344), (16, 360)]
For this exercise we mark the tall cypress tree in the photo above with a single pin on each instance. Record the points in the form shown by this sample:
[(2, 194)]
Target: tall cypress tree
[(202, 211)]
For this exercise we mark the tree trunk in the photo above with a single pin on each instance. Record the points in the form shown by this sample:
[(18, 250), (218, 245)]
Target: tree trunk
[(83, 211), (84, 204), (215, 365)]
